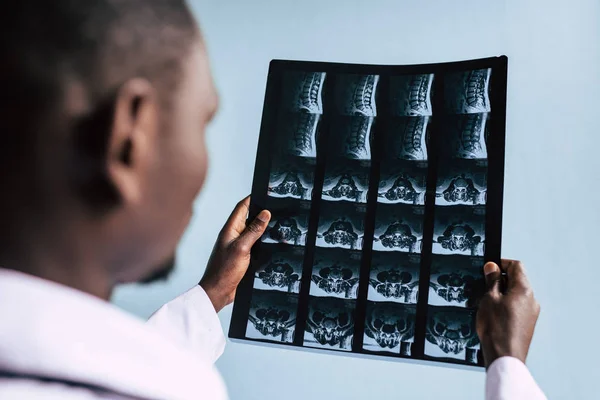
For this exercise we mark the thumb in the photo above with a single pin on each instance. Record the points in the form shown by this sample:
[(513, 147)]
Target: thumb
[(254, 230), (492, 277)]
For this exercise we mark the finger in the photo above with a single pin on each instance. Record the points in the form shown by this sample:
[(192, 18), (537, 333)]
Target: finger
[(493, 275), (253, 231), (515, 274), (236, 223)]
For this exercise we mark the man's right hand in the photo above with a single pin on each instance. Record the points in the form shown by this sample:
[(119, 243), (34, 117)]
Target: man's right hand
[(507, 313)]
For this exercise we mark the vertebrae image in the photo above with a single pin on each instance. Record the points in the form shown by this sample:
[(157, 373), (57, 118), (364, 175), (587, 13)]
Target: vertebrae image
[(287, 227), (467, 137), (330, 323), (468, 92), (451, 333), (340, 227), (398, 229), (403, 183), (394, 277), (406, 139), (355, 95), (389, 327), (410, 95), (335, 273), (462, 188), (351, 137), (346, 181), (302, 91), (291, 177), (459, 230), (297, 133), (279, 270), (456, 281), (272, 316)]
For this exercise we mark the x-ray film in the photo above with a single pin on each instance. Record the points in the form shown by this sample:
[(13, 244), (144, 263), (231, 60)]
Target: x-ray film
[(385, 188)]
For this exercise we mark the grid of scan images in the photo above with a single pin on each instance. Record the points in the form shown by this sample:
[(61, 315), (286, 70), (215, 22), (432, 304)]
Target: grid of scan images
[(377, 185)]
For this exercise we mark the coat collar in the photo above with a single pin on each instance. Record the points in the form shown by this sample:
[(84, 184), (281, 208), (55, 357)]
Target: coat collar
[(50, 330)]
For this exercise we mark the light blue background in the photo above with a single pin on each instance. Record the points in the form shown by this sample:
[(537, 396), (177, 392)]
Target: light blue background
[(551, 217)]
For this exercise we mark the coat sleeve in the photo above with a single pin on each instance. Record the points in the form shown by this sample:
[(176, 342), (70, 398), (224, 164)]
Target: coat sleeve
[(509, 379), (192, 320)]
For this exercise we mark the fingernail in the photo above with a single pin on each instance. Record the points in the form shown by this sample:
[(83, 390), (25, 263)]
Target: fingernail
[(490, 267), (263, 216)]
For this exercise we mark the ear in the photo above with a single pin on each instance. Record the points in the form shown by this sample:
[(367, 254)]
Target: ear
[(133, 138)]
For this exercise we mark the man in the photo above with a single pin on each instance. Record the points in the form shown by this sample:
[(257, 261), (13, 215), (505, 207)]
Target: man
[(104, 105)]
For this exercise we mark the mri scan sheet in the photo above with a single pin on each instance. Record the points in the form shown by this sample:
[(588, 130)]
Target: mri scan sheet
[(385, 186)]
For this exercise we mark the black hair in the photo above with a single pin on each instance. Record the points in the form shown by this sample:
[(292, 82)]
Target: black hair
[(96, 45)]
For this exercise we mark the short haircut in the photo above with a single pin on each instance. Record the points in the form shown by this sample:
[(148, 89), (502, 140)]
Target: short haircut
[(98, 45)]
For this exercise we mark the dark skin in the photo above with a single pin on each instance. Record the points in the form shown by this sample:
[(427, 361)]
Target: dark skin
[(157, 162), (507, 313)]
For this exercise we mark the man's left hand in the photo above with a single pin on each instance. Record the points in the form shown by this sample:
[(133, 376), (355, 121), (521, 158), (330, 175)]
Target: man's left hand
[(231, 255)]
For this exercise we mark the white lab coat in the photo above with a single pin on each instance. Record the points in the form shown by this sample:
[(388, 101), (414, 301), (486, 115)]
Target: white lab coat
[(59, 343)]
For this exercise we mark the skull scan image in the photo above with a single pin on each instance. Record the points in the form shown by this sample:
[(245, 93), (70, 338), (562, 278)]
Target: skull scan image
[(350, 137), (303, 91), (280, 270), (451, 333), (272, 316), (468, 92), (459, 232), (410, 95), (398, 230), (341, 227), (291, 177), (335, 273), (403, 184), (346, 182), (287, 227), (406, 138), (456, 281), (389, 328), (330, 323), (297, 134), (467, 136), (355, 95), (394, 278)]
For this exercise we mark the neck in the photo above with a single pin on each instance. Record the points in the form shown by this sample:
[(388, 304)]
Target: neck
[(68, 267)]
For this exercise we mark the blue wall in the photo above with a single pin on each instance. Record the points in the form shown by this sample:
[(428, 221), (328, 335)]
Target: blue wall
[(552, 193)]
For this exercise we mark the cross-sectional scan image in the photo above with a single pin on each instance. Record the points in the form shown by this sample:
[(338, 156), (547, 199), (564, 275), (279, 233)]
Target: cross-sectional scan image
[(272, 316), (330, 323), (341, 226), (461, 183), (297, 133), (456, 281), (288, 225), (335, 273), (292, 177), (459, 230), (351, 137), (390, 328), (279, 268), (394, 277), (303, 91), (410, 95), (406, 138), (398, 228), (402, 182), (346, 181), (451, 333), (468, 92), (355, 95), (465, 136)]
